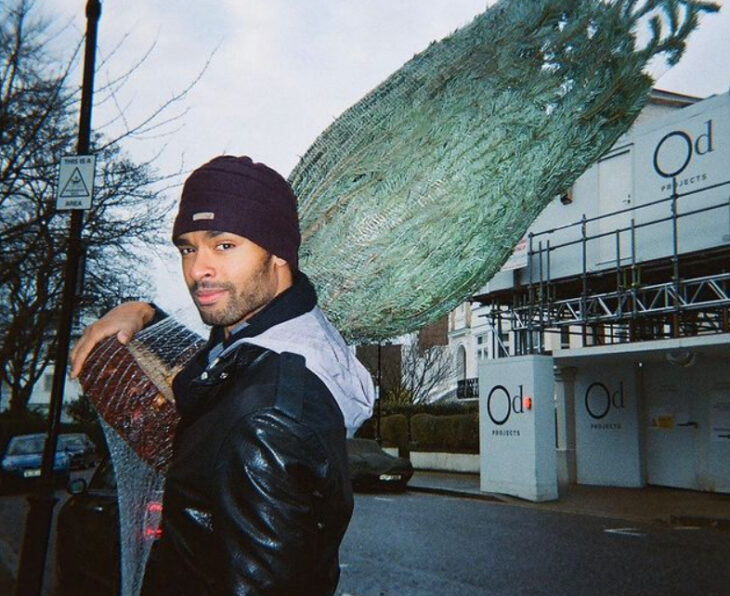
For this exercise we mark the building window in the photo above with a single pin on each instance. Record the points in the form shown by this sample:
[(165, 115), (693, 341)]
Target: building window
[(47, 382), (461, 363)]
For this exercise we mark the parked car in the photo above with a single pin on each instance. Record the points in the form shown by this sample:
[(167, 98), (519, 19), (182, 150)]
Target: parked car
[(80, 448), (21, 463), (371, 468), (87, 551)]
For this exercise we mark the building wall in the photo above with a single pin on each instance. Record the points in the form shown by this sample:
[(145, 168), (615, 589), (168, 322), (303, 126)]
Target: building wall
[(41, 396), (657, 413), (628, 177), (435, 334), (637, 420), (471, 332), (687, 423), (607, 424)]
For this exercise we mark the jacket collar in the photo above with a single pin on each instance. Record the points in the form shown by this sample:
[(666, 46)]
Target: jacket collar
[(189, 384)]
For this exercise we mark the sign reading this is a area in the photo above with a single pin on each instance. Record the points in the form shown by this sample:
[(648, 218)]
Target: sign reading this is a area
[(75, 182)]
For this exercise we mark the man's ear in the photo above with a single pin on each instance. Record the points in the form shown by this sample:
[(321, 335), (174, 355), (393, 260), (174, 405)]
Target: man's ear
[(283, 271), (279, 262)]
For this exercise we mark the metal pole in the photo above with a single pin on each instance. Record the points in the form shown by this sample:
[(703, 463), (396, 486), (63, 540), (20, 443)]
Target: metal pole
[(634, 282), (531, 300), (541, 302), (378, 435), (584, 280), (549, 290), (40, 512), (675, 260)]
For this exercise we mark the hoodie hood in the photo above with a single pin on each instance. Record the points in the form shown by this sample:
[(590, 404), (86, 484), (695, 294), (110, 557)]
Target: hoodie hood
[(328, 356)]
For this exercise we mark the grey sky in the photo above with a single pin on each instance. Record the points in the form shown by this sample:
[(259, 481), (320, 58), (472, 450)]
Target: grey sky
[(283, 70)]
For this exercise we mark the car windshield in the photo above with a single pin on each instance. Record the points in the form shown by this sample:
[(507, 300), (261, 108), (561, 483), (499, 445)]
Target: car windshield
[(71, 442), (26, 445)]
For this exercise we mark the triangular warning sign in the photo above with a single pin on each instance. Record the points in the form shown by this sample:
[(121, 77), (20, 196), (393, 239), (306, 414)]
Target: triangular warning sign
[(75, 187)]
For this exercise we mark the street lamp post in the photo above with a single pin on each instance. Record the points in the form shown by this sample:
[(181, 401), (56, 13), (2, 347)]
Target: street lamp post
[(40, 513)]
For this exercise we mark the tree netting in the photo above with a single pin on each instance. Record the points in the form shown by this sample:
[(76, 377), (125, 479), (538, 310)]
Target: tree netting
[(416, 195), (130, 386), (139, 493)]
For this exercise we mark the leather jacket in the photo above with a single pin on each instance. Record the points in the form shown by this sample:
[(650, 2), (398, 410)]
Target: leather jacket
[(258, 497)]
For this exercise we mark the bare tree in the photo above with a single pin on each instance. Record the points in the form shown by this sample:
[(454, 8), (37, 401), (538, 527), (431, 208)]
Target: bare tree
[(423, 372), (38, 125)]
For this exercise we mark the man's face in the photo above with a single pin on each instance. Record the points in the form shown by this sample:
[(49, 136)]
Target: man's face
[(229, 277)]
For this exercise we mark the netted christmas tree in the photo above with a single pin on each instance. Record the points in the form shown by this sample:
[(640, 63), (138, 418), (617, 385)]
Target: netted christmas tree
[(415, 196)]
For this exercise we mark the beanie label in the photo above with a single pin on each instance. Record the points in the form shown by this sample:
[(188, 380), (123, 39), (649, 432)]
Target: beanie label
[(203, 215)]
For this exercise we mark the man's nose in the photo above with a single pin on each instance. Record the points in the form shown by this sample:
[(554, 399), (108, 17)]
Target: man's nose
[(202, 265)]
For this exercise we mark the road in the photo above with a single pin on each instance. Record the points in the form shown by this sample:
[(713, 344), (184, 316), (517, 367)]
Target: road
[(433, 545), (419, 544)]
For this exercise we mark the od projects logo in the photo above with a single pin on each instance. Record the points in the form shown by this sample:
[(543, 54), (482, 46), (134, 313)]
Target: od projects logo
[(600, 401), (501, 404), (677, 150)]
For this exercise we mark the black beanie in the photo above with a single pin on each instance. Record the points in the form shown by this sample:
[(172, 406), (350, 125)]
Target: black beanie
[(236, 195)]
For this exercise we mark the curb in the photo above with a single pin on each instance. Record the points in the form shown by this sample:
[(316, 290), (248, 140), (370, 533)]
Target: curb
[(447, 492), (721, 524)]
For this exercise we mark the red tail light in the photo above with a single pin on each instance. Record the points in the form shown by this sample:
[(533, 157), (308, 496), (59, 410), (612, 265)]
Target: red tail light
[(151, 529)]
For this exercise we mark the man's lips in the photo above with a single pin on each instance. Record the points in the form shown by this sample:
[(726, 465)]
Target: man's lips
[(208, 297)]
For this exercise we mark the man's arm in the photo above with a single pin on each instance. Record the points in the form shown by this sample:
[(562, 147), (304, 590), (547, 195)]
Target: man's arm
[(270, 474), (123, 321)]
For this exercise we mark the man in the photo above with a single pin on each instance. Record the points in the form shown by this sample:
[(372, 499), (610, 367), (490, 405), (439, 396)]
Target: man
[(257, 497)]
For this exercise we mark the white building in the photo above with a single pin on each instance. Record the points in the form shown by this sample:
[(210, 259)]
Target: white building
[(623, 285), (40, 398)]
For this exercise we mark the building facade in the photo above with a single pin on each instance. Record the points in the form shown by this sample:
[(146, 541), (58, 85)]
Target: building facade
[(623, 282), (40, 398)]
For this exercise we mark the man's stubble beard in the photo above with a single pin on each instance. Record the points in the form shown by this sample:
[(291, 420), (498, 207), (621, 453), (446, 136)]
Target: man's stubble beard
[(256, 293)]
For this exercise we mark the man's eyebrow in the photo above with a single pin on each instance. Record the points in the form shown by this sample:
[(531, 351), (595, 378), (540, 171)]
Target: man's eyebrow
[(209, 233)]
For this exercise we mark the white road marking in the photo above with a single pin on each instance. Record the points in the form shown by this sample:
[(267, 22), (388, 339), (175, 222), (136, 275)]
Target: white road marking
[(386, 499), (687, 528), (624, 531)]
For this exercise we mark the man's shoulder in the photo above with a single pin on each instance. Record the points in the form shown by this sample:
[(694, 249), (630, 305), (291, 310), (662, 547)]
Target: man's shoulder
[(282, 381)]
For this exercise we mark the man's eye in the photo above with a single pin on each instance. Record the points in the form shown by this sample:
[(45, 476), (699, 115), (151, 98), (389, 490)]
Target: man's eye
[(225, 246), (185, 250)]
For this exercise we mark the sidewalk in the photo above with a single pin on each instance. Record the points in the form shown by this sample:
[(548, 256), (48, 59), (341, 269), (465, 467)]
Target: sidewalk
[(8, 564), (649, 504)]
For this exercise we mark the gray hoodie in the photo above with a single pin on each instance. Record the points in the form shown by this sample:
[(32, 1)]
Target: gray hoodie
[(328, 356)]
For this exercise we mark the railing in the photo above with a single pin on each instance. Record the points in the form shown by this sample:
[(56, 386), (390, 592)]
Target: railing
[(693, 294), (467, 388), (540, 311)]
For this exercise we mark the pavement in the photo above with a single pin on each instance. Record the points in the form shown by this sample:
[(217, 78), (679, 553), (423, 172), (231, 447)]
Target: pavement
[(648, 504), (8, 565)]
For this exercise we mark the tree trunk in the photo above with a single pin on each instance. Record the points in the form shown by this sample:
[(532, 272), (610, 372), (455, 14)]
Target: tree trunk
[(19, 398)]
